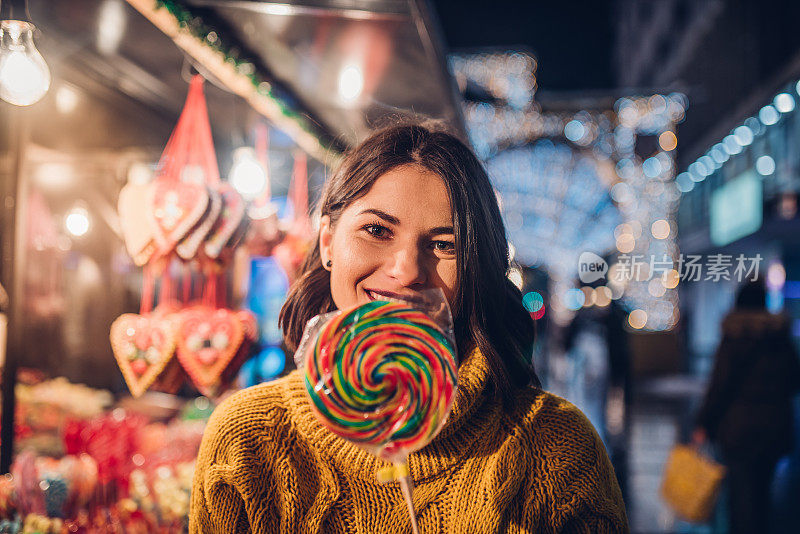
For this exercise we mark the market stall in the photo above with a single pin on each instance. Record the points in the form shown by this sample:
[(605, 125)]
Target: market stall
[(157, 204)]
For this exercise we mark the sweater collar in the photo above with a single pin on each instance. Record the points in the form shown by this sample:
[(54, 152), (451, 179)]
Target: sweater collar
[(472, 414)]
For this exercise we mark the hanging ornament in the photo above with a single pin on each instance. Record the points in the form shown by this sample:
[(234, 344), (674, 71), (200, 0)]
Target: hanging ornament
[(292, 250), (144, 343), (301, 219), (192, 215), (230, 220), (187, 249), (212, 342), (137, 232), (178, 197), (262, 206), (208, 340)]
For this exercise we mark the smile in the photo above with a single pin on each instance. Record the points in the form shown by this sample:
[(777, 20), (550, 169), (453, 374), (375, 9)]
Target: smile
[(375, 294)]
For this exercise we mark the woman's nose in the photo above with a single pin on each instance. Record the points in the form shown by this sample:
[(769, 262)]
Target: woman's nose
[(407, 266)]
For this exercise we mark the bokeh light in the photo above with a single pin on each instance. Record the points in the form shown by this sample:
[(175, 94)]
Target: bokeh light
[(668, 141), (574, 299), (533, 301), (784, 102), (602, 296), (768, 115), (765, 165), (660, 229), (77, 221), (637, 319)]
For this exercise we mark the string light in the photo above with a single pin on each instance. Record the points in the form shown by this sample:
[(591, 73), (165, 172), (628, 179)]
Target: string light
[(509, 77), (768, 115), (784, 102)]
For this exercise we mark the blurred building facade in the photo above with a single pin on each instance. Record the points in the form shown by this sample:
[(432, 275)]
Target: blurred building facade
[(738, 171)]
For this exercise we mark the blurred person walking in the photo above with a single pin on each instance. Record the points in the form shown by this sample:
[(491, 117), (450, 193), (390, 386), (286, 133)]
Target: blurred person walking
[(747, 409)]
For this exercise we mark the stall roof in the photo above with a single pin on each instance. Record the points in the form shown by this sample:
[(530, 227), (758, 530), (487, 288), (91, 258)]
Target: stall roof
[(339, 66), (352, 62)]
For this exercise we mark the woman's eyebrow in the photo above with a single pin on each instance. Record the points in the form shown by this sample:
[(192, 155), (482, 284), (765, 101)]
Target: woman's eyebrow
[(394, 220), (382, 214)]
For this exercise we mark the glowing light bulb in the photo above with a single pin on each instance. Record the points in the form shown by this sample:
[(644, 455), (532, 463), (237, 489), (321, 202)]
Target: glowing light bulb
[(247, 176), (24, 76), (77, 221), (351, 83)]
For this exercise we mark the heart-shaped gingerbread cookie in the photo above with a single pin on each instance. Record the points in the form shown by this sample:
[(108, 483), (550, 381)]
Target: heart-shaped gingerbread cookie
[(187, 248), (143, 346), (175, 207), (136, 230), (229, 220), (208, 339)]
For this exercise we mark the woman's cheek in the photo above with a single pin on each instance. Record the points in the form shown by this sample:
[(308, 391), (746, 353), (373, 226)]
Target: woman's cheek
[(353, 262), (359, 257), (448, 273)]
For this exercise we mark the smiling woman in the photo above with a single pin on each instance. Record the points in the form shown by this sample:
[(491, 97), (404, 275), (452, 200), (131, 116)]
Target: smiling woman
[(411, 209)]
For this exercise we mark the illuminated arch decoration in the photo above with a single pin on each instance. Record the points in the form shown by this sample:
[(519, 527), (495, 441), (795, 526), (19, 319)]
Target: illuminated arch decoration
[(536, 158)]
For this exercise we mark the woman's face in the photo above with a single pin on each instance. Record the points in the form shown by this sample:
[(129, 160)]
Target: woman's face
[(394, 241)]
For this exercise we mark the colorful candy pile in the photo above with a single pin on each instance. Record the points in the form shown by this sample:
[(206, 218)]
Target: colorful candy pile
[(121, 472)]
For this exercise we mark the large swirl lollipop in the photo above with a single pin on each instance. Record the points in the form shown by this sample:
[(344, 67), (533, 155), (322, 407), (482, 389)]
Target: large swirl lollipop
[(383, 376)]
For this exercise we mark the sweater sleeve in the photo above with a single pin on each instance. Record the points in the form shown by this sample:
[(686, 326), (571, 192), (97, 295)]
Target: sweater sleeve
[(573, 487), (234, 490), (216, 507)]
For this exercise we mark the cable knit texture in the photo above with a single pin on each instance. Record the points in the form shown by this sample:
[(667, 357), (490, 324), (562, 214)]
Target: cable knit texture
[(267, 466)]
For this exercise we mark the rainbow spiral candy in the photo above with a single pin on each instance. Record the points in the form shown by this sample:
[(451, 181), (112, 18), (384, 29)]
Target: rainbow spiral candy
[(382, 375)]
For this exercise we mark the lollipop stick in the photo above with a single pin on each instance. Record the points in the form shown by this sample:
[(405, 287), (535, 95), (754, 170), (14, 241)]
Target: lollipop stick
[(406, 485)]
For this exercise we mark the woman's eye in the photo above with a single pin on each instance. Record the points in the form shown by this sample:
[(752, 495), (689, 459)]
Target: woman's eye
[(444, 246), (377, 230)]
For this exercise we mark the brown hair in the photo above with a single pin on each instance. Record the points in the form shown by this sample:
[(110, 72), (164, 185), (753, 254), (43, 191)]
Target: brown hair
[(488, 310)]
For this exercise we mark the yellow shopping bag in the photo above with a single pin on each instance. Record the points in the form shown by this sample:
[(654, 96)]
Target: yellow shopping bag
[(691, 483)]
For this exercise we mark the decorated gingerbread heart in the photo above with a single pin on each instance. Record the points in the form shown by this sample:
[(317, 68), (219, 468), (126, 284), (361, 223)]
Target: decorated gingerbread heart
[(208, 340), (229, 221), (175, 207), (171, 379), (143, 346), (250, 325), (187, 248), (137, 229)]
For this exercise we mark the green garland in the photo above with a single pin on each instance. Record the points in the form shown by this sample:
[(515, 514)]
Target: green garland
[(195, 26)]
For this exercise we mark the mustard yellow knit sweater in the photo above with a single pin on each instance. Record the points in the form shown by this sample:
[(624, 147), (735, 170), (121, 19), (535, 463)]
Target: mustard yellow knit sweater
[(266, 465)]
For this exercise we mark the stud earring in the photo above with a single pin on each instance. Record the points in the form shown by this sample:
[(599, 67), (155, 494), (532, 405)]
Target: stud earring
[(329, 263)]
